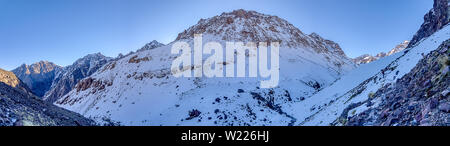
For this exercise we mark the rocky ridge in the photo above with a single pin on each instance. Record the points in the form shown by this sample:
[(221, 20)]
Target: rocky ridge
[(434, 20)]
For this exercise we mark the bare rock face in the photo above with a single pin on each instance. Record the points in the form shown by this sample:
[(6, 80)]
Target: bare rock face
[(69, 76), (10, 79), (434, 20), (38, 76)]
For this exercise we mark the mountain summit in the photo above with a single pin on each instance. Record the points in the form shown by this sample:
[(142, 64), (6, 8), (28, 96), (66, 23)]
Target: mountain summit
[(153, 44), (251, 26), (38, 76)]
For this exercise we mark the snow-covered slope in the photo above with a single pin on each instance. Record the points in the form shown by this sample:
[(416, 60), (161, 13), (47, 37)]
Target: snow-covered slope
[(346, 96), (139, 89), (419, 98)]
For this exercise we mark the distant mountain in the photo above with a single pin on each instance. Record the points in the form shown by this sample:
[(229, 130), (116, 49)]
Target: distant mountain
[(66, 79), (138, 89), (151, 45), (366, 58), (19, 108), (38, 76), (434, 20), (10, 79)]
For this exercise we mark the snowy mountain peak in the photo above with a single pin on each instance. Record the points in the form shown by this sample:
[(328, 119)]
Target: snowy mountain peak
[(242, 25), (90, 57), (398, 48), (153, 44), (250, 26)]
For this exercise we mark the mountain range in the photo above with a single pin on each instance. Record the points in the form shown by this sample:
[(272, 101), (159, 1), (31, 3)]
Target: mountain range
[(141, 83), (366, 58), (318, 83)]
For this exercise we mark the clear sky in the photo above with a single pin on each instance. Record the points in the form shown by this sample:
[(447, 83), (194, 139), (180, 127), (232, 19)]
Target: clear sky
[(62, 31)]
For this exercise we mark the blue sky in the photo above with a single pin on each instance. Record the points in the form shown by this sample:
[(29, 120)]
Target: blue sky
[(62, 31)]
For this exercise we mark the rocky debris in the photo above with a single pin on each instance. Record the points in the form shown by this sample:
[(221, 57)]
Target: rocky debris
[(193, 113), (135, 59), (366, 58), (151, 45), (434, 20), (418, 98), (38, 76), (159, 74), (69, 76), (92, 83), (18, 108)]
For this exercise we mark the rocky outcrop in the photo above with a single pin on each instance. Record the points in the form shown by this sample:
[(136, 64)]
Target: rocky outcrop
[(10, 79), (434, 20), (38, 76), (18, 108), (420, 97), (69, 76)]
